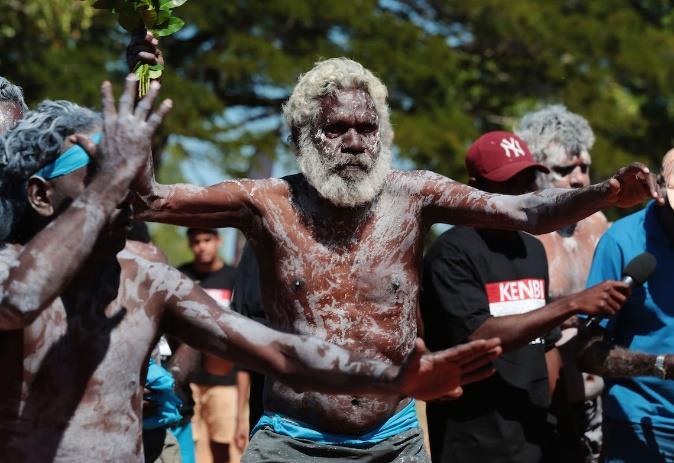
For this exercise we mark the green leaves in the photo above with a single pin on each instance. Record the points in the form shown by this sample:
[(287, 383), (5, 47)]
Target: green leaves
[(171, 26), (155, 16)]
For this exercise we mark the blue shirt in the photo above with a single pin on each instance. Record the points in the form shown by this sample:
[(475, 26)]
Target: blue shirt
[(646, 322)]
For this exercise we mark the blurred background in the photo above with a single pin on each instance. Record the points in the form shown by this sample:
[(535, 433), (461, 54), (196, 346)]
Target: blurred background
[(454, 69)]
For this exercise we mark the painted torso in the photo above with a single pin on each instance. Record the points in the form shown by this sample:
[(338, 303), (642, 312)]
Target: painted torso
[(79, 365), (357, 288), (570, 254)]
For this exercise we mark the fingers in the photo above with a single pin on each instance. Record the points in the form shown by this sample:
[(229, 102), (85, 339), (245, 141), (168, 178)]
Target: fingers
[(86, 143), (158, 116), (481, 361), (143, 108), (477, 375), (129, 95), (468, 352), (107, 100)]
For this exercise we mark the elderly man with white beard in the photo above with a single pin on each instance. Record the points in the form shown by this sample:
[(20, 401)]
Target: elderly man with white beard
[(340, 247)]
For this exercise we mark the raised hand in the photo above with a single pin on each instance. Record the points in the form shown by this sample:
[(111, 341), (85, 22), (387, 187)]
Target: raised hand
[(440, 375), (143, 48), (604, 299), (634, 184)]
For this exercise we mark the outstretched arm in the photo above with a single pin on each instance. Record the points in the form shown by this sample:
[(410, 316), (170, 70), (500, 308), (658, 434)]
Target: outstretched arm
[(542, 211), (604, 299), (32, 280), (305, 362)]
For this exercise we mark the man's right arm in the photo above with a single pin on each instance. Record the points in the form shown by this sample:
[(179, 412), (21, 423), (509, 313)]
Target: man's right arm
[(604, 299), (48, 261), (450, 275), (226, 204)]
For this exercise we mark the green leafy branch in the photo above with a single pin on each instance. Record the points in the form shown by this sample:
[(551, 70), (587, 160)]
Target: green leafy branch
[(154, 15)]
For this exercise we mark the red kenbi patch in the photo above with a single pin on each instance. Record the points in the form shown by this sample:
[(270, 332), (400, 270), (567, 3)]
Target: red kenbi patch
[(515, 296)]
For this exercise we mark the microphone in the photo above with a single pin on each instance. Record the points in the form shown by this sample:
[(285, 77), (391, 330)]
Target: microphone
[(635, 273), (639, 269)]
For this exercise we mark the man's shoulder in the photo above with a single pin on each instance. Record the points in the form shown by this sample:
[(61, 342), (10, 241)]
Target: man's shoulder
[(146, 251), (532, 241), (411, 180), (456, 240)]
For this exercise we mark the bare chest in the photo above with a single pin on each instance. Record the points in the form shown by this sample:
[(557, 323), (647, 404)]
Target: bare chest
[(354, 283)]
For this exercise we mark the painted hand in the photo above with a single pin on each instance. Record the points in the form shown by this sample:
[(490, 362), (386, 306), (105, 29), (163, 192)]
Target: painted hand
[(604, 299), (632, 185), (440, 375)]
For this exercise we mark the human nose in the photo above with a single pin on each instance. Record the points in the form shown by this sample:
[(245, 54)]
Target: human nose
[(578, 179), (352, 142)]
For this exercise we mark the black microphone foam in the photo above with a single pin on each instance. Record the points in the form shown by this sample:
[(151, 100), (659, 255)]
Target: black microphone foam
[(640, 268)]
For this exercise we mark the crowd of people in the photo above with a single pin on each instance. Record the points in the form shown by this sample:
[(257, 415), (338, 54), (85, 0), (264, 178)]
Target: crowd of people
[(336, 321)]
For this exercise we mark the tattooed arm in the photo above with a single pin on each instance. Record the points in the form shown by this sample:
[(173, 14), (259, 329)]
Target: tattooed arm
[(47, 262), (305, 362), (539, 212), (608, 360)]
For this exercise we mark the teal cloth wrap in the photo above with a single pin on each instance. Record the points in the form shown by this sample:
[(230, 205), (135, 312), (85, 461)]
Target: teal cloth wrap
[(160, 384), (72, 159), (402, 421)]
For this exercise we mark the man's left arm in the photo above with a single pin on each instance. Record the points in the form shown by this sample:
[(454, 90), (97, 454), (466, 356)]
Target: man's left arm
[(600, 357), (447, 201), (305, 362)]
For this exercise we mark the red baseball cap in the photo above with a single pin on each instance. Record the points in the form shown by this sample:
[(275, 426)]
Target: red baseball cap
[(499, 156)]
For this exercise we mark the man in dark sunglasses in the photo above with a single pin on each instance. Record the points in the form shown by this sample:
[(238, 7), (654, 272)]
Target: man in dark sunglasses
[(561, 141)]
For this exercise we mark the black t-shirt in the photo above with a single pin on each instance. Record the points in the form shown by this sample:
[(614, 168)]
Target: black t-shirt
[(469, 276), (218, 285), (247, 300)]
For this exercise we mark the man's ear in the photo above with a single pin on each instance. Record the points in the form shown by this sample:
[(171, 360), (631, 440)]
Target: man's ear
[(40, 196)]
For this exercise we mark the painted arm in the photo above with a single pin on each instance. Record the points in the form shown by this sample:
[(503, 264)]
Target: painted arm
[(221, 205), (515, 331), (539, 212), (305, 362), (598, 356), (51, 258)]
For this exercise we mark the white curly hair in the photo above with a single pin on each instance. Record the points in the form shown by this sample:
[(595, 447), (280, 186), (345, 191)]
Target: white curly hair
[(555, 125), (325, 78)]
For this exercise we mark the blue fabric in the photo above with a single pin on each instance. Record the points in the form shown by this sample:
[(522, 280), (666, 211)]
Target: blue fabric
[(183, 435), (72, 159), (160, 384), (402, 421), (645, 323), (626, 442)]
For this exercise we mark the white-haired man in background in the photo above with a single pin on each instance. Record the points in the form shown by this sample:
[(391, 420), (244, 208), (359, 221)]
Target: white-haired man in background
[(561, 141), (340, 247)]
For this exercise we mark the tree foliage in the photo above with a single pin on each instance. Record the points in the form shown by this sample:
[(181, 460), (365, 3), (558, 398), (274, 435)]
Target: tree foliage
[(454, 69)]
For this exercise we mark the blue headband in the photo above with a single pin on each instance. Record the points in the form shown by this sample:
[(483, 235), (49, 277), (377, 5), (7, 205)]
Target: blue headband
[(72, 159)]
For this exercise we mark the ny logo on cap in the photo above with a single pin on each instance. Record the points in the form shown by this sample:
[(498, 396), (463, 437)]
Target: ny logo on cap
[(512, 147)]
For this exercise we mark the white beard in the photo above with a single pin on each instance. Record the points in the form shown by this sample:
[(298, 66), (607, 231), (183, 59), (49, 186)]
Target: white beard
[(339, 191)]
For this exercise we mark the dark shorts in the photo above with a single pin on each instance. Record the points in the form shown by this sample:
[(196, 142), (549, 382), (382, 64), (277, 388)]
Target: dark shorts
[(266, 446)]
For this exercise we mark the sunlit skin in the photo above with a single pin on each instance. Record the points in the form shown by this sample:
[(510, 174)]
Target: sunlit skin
[(351, 275), (570, 249), (78, 318)]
